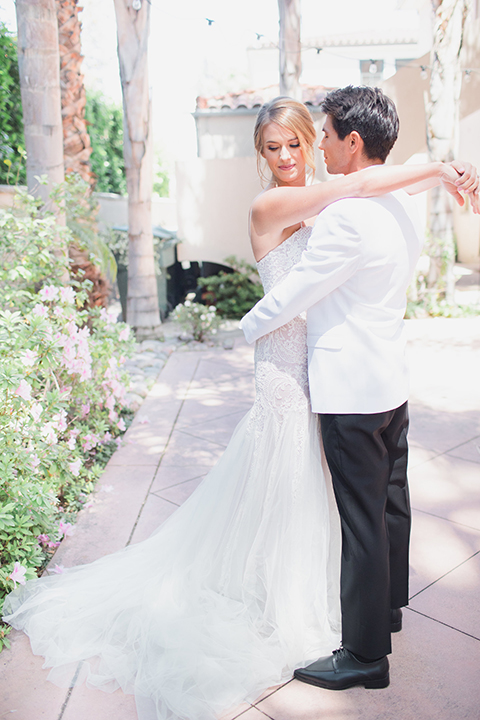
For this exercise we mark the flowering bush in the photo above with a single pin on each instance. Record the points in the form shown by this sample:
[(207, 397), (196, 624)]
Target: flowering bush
[(196, 319), (61, 394)]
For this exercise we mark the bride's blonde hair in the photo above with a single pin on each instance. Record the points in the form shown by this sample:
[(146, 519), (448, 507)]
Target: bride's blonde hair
[(290, 115)]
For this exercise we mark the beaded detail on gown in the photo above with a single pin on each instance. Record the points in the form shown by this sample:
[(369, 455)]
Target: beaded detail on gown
[(236, 589)]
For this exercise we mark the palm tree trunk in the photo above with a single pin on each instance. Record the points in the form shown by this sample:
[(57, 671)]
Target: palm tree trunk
[(76, 143), (38, 62), (290, 55), (132, 32), (442, 132)]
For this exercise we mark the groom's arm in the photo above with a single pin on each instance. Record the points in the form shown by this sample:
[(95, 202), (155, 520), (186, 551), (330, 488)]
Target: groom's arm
[(331, 257)]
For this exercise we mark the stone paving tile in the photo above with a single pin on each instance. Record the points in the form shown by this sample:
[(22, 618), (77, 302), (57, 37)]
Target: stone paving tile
[(433, 676), (468, 451), (196, 413), (106, 526), (438, 546), (186, 450), (89, 704), (180, 492), (453, 599), (169, 475), (219, 430), (25, 693), (155, 511), (442, 431), (448, 487)]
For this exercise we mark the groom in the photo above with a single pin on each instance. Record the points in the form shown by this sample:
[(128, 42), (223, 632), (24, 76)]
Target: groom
[(352, 279)]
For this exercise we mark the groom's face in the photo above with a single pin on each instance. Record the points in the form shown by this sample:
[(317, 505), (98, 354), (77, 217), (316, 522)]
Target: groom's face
[(336, 153)]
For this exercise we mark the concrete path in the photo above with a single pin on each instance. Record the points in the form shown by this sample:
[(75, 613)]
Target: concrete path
[(180, 431)]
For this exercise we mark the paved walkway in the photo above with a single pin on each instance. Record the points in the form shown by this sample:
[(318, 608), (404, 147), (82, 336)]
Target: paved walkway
[(179, 432)]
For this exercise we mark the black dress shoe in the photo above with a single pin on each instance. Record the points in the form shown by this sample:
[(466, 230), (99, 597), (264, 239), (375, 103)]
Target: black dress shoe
[(396, 620), (342, 670)]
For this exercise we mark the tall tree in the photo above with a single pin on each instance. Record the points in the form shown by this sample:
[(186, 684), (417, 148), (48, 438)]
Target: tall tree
[(77, 150), (133, 24), (39, 64), (76, 144), (290, 55), (442, 131)]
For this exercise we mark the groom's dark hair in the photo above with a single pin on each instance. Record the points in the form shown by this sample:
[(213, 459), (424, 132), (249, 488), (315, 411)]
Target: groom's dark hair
[(368, 111)]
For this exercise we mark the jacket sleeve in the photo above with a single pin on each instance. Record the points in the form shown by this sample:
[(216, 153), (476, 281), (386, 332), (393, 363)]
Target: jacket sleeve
[(331, 257)]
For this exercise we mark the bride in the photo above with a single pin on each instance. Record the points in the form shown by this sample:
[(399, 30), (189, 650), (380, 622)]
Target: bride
[(243, 580)]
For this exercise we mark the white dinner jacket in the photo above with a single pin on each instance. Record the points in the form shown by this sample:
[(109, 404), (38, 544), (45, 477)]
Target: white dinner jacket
[(352, 280)]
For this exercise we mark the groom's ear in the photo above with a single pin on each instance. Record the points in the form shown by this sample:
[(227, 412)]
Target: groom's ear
[(354, 142)]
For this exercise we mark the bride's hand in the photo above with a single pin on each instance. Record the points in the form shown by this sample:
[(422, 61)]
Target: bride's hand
[(462, 176)]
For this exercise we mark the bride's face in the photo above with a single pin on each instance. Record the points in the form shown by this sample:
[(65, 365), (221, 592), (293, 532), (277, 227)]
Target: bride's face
[(283, 153)]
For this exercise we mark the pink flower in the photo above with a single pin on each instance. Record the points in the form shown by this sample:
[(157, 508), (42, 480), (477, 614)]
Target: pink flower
[(65, 529), (48, 434), (71, 443), (75, 467), (34, 461), (48, 293), (43, 539), (53, 544), (107, 437), (123, 335), (24, 390), (121, 425), (144, 421), (58, 311), (18, 574), (58, 569), (85, 409), (40, 310), (110, 402), (112, 416), (28, 358), (35, 411), (67, 295), (60, 421)]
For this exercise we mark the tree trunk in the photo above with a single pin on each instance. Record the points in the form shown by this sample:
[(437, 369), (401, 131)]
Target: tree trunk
[(442, 133), (132, 33), (76, 142), (290, 55), (38, 62)]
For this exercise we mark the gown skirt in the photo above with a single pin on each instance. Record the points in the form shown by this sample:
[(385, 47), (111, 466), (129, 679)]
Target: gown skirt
[(235, 590)]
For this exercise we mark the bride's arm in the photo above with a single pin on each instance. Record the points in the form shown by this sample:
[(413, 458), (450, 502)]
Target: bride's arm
[(282, 207)]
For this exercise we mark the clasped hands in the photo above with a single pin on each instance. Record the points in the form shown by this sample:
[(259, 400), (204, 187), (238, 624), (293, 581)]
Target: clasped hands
[(461, 177)]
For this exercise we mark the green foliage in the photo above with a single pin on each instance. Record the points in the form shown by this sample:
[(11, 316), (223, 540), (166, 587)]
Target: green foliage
[(233, 294), (426, 301), (196, 319), (12, 141), (81, 210), (105, 127), (61, 392), (161, 178)]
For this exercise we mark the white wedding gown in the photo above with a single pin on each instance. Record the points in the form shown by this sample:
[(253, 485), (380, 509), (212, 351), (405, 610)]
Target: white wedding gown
[(236, 589)]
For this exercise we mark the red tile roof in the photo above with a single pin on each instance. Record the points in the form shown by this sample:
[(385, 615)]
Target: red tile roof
[(247, 99)]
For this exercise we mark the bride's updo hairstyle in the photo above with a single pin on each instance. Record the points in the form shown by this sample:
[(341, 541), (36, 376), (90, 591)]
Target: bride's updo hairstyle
[(290, 115)]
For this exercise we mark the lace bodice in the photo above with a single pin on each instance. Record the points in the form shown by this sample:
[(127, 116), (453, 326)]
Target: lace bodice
[(279, 261), (281, 375)]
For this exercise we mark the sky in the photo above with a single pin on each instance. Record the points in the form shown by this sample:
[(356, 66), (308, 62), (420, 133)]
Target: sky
[(190, 57)]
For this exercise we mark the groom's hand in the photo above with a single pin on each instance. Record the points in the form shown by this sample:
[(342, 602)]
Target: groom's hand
[(460, 177)]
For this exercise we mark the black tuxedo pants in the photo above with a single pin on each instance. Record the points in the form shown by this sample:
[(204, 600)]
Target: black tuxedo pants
[(367, 457)]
